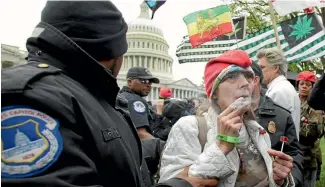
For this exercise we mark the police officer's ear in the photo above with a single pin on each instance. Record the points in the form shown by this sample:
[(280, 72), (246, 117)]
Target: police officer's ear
[(113, 64), (130, 82)]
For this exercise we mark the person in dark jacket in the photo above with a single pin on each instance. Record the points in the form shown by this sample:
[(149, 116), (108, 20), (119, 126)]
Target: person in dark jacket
[(316, 98), (278, 122), (172, 112), (139, 85), (59, 123)]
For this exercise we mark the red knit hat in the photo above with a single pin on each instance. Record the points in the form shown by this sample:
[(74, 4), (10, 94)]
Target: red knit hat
[(306, 76), (230, 61), (165, 92)]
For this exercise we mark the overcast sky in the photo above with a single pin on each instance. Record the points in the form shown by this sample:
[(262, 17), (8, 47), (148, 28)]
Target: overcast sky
[(19, 17)]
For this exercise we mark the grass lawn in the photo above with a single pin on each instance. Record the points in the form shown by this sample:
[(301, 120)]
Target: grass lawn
[(321, 182)]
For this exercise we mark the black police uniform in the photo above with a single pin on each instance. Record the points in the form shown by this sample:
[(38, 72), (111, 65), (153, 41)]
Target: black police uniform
[(278, 122), (139, 110), (316, 98), (61, 125)]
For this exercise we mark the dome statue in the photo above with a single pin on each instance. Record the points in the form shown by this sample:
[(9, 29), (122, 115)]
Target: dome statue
[(147, 47)]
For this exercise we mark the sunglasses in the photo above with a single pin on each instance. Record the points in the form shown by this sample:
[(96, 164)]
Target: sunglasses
[(143, 81)]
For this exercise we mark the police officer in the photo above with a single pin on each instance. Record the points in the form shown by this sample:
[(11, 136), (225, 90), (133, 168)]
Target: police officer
[(58, 118), (311, 130), (316, 98), (277, 121), (139, 82)]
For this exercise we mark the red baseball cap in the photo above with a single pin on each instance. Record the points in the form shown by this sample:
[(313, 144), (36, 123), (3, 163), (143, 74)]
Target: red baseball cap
[(165, 92), (306, 76)]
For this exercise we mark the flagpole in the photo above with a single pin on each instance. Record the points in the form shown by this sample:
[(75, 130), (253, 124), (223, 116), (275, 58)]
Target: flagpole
[(274, 25)]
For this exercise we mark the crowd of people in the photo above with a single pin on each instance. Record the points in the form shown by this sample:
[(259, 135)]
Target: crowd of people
[(65, 121)]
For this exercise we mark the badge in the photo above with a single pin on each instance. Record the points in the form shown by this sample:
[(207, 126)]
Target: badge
[(139, 107), (271, 127), (30, 142)]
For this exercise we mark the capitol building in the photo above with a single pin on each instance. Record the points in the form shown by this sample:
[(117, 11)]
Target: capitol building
[(147, 48)]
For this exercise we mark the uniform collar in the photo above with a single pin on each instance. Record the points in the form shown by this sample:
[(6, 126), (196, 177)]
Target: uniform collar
[(266, 105), (126, 89)]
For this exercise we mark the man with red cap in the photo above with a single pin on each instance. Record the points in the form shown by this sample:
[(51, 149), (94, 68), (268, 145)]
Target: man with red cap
[(237, 150), (165, 93), (312, 125)]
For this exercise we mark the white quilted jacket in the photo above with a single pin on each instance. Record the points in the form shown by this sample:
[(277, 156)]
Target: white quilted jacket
[(183, 149)]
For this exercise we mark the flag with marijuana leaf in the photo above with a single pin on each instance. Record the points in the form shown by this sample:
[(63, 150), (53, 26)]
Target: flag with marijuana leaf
[(154, 5), (203, 53), (300, 29), (310, 46)]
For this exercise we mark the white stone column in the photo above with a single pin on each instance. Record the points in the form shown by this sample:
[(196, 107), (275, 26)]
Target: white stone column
[(164, 65), (153, 93), (157, 93), (149, 96)]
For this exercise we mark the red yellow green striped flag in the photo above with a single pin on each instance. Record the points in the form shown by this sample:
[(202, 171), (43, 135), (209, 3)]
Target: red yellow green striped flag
[(205, 25)]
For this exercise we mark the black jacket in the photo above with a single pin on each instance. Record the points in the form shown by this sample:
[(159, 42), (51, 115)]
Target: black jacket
[(172, 112), (269, 111), (316, 98), (140, 117), (99, 148)]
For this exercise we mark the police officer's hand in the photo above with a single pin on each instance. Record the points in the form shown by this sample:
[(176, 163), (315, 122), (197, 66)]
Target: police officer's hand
[(197, 182), (282, 166), (230, 122)]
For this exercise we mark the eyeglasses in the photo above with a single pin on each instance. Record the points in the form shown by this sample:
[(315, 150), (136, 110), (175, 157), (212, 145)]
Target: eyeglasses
[(145, 81)]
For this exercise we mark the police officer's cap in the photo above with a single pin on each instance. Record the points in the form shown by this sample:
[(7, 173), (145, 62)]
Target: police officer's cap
[(141, 73)]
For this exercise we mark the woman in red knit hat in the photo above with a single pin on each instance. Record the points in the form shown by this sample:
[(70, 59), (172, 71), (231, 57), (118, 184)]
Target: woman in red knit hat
[(237, 148), (312, 125)]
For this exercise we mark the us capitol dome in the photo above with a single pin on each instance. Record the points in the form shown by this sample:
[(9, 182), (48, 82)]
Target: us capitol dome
[(148, 48)]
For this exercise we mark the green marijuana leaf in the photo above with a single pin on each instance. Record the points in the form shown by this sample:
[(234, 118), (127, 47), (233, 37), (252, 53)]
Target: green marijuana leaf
[(235, 31), (302, 28)]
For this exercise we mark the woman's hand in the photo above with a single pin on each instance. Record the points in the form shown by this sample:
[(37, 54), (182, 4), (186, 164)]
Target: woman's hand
[(282, 166), (230, 122)]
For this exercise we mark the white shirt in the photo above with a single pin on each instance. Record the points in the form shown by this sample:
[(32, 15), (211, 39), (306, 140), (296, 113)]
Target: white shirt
[(281, 91), (184, 149)]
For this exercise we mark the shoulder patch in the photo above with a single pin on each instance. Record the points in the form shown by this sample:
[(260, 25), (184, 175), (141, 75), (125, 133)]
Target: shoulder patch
[(139, 107), (30, 141)]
